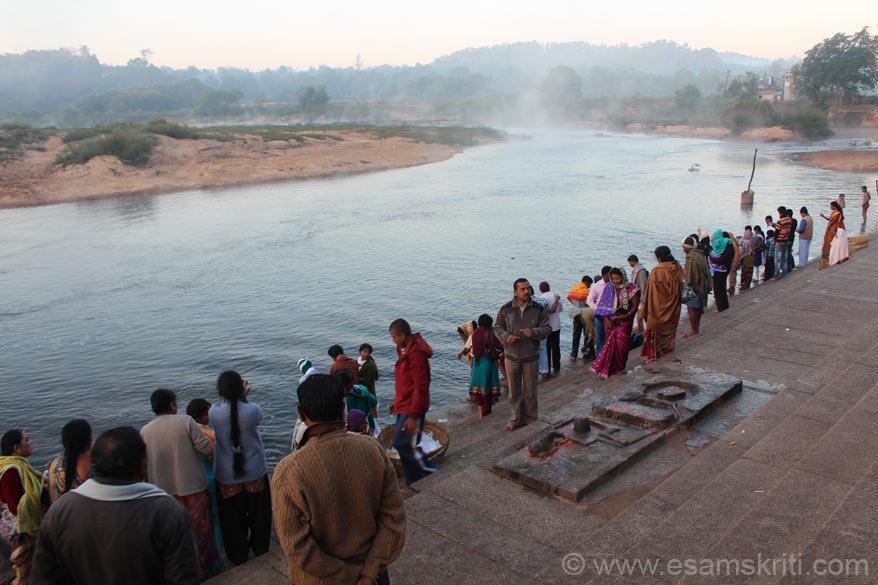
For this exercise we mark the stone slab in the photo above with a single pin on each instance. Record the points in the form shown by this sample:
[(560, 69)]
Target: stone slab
[(847, 451), (706, 517), (784, 523), (788, 442), (518, 552), (430, 557), (575, 468), (543, 519)]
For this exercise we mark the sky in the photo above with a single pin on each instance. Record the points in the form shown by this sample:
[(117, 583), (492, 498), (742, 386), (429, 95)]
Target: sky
[(267, 34)]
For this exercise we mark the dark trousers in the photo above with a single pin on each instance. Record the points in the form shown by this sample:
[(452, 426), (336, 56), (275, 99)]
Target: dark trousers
[(245, 519), (599, 334), (415, 465), (769, 269), (720, 294), (578, 330), (553, 347)]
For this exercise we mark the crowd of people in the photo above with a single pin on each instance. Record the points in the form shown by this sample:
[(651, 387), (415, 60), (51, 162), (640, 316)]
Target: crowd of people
[(613, 313), (163, 504)]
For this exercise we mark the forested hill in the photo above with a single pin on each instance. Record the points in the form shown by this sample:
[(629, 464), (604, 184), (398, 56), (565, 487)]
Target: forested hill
[(71, 87), (658, 57)]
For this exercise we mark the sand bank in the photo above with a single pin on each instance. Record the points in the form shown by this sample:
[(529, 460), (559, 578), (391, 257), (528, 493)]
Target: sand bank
[(856, 161), (178, 165), (772, 134)]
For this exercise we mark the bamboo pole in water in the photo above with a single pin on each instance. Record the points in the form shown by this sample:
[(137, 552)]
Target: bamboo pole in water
[(747, 196), (753, 172)]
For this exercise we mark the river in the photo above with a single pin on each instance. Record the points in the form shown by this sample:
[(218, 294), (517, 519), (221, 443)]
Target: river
[(104, 301)]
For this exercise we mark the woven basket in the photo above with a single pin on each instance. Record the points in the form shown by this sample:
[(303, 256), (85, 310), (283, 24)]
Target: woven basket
[(385, 437), (857, 243)]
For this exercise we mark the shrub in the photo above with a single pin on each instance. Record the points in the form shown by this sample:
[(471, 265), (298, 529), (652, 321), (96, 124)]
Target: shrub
[(15, 138), (748, 114), (77, 134), (171, 130), (810, 121), (131, 146)]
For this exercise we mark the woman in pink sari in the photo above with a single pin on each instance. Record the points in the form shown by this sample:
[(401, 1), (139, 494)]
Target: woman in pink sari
[(617, 307)]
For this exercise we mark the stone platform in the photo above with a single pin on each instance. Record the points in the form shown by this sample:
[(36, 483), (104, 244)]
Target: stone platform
[(622, 429)]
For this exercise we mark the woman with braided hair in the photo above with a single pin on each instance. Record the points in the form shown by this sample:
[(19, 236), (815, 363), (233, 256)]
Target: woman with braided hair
[(244, 500), (70, 469)]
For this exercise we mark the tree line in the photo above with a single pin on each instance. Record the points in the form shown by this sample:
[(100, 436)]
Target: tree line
[(660, 82)]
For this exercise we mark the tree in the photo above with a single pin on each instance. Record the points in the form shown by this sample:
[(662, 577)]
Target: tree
[(687, 98), (743, 87), (838, 67), (312, 100), (562, 92)]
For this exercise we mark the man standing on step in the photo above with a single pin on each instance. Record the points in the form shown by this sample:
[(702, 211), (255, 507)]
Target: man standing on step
[(782, 229), (520, 325), (338, 511), (806, 232), (412, 400)]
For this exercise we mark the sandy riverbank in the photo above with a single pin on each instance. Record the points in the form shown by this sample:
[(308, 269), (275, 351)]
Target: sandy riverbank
[(179, 165), (855, 161), (770, 134)]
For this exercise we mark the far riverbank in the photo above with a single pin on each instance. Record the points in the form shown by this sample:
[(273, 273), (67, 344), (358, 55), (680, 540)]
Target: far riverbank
[(238, 159)]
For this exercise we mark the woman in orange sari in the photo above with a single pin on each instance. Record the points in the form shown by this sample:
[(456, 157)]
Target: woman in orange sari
[(660, 306), (836, 222)]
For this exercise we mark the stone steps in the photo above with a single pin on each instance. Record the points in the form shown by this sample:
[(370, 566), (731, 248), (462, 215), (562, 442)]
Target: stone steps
[(797, 477)]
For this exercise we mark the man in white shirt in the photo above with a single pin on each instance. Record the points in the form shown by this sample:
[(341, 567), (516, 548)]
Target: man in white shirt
[(553, 342), (595, 327), (174, 445)]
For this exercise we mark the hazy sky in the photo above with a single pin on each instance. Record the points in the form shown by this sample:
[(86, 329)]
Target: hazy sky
[(303, 33)]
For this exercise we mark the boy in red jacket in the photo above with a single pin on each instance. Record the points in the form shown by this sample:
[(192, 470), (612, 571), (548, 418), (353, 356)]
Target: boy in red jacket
[(412, 400)]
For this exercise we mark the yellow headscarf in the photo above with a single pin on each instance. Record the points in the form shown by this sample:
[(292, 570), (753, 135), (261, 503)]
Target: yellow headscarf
[(30, 510)]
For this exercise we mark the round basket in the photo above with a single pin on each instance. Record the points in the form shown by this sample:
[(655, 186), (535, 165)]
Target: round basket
[(385, 437), (857, 243)]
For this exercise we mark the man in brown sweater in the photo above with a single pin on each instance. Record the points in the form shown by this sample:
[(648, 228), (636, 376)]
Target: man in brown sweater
[(338, 512)]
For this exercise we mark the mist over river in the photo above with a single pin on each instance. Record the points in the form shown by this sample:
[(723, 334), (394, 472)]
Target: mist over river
[(102, 302)]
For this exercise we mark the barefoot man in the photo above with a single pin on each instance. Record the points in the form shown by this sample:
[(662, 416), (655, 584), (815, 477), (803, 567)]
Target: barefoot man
[(520, 325)]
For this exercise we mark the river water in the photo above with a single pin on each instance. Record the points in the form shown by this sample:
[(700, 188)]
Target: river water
[(104, 301)]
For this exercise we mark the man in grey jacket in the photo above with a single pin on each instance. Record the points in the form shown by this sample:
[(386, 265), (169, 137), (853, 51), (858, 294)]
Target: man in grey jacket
[(520, 325)]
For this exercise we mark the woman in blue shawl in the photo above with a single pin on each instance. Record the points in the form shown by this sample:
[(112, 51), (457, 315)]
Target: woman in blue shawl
[(722, 253), (617, 307)]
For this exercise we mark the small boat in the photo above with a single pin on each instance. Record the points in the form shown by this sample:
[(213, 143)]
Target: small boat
[(695, 168)]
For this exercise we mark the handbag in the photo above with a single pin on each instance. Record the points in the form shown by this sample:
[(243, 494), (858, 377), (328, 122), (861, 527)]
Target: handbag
[(687, 292), (491, 352)]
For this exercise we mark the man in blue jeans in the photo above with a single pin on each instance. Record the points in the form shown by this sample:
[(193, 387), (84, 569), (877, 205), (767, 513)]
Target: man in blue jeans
[(412, 400), (782, 228), (594, 296)]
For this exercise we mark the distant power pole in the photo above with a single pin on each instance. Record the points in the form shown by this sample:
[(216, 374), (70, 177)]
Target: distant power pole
[(358, 63)]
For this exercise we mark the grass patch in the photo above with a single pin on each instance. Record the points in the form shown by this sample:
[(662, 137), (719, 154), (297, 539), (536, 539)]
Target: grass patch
[(266, 133), (158, 126), (452, 135), (132, 146), (16, 138)]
